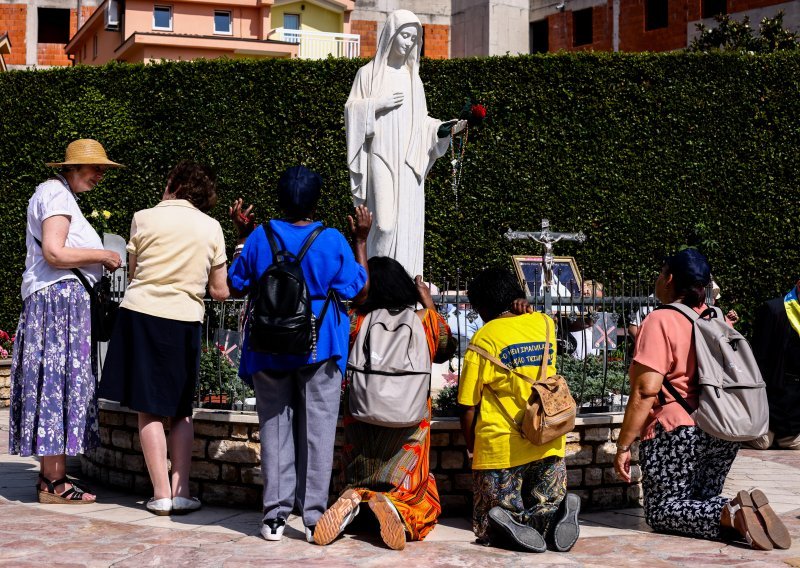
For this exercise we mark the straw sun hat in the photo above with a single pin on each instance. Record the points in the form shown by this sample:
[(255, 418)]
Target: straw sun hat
[(85, 152)]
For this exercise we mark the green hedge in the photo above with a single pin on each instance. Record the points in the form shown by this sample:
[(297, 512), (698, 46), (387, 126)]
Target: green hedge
[(638, 151)]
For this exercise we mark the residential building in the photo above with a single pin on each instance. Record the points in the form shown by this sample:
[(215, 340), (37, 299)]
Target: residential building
[(5, 49), (39, 29), (155, 30), (464, 28), (436, 16), (639, 25)]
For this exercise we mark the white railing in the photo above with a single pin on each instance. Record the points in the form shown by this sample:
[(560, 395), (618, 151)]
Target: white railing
[(319, 45)]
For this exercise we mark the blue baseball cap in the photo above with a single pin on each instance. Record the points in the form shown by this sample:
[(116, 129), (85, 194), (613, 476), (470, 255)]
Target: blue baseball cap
[(298, 191), (688, 267)]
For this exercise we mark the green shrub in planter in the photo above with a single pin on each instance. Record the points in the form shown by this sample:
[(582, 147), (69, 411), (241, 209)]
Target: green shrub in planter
[(219, 378)]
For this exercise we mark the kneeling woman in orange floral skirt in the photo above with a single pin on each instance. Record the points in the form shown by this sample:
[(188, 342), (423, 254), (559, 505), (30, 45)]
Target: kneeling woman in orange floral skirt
[(388, 467)]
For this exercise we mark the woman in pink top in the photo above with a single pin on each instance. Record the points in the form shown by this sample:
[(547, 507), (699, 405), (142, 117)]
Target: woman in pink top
[(683, 467)]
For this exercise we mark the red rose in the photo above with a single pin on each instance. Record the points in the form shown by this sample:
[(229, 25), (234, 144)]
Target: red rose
[(478, 111)]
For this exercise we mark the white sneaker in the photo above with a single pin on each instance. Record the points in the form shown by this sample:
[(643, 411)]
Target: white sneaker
[(161, 507), (310, 534), (183, 505), (272, 529)]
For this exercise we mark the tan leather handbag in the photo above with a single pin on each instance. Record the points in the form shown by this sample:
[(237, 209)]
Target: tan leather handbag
[(550, 411)]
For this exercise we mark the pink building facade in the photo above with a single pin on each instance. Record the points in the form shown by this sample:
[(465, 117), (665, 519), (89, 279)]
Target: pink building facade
[(155, 30)]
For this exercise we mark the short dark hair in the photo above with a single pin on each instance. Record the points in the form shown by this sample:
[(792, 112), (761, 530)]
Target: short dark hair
[(693, 294), (493, 290), (299, 190), (195, 183), (691, 273), (390, 286)]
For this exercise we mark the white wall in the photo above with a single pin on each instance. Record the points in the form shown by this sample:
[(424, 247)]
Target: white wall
[(509, 27)]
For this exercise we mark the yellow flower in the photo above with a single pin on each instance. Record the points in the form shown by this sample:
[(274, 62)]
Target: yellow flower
[(94, 214), (106, 215)]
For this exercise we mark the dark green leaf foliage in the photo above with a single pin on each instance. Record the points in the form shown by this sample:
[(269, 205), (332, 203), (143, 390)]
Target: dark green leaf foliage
[(641, 152), (738, 35)]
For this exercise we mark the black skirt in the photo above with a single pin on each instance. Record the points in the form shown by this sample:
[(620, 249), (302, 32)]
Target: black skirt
[(152, 364)]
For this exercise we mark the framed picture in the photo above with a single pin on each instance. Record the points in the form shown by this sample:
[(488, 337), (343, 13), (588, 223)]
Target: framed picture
[(566, 276)]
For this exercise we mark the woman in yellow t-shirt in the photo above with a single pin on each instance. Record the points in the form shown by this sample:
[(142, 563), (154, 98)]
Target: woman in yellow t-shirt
[(520, 489)]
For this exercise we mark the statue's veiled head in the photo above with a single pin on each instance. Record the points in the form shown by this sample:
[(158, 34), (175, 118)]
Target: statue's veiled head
[(404, 41), (401, 36)]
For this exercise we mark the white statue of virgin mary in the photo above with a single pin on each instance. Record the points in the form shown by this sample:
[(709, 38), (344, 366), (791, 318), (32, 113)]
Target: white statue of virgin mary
[(392, 142)]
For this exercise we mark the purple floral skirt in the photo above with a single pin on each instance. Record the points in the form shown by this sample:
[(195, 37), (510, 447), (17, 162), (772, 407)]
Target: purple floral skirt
[(53, 379)]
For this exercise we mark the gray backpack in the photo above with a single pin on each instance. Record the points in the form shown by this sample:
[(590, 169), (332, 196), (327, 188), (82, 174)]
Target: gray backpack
[(733, 399), (389, 370)]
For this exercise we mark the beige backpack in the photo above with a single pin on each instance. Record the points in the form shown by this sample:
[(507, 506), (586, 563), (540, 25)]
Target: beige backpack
[(550, 411), (389, 370)]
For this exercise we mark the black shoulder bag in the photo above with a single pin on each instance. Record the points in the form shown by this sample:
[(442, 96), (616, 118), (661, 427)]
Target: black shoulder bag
[(102, 305)]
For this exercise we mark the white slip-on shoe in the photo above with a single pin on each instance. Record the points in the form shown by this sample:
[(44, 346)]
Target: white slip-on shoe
[(272, 529), (183, 505), (161, 507)]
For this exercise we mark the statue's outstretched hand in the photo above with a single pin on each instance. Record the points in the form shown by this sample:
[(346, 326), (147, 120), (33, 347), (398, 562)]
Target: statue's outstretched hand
[(244, 221), (451, 127), (360, 223), (389, 103), (460, 125)]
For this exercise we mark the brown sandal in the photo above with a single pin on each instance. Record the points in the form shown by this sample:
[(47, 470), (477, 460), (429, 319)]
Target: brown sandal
[(72, 496), (745, 520), (776, 530)]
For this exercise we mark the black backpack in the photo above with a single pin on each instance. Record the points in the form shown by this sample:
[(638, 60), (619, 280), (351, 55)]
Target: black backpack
[(281, 321)]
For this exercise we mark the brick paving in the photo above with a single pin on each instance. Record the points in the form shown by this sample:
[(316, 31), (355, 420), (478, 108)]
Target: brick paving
[(118, 531)]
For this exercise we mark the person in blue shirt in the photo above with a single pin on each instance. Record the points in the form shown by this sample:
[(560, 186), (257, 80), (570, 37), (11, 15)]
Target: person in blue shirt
[(297, 396)]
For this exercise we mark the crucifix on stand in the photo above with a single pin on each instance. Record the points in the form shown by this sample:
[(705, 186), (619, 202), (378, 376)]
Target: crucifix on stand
[(546, 238)]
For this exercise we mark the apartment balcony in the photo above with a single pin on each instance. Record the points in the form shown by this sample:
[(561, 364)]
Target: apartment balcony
[(319, 45)]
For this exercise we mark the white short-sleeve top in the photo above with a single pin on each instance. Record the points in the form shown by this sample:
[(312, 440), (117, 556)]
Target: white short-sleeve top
[(54, 198)]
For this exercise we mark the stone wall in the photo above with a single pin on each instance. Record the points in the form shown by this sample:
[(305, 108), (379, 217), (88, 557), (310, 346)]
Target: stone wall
[(5, 382), (226, 463)]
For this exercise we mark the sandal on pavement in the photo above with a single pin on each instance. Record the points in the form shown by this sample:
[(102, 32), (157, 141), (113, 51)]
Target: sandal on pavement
[(513, 532), (393, 531), (567, 529), (776, 530), (337, 517), (745, 521), (72, 496), (160, 507), (184, 505)]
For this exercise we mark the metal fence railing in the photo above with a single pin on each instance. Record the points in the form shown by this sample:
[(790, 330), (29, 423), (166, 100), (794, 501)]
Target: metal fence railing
[(595, 334)]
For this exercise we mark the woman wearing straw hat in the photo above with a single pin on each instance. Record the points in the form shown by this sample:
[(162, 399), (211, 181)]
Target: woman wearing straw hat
[(53, 378)]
